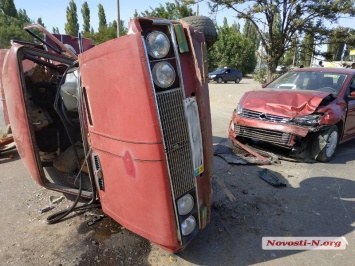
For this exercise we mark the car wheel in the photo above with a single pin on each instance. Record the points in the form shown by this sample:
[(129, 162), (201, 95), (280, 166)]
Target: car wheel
[(225, 81), (325, 144), (219, 80), (204, 25), (237, 80)]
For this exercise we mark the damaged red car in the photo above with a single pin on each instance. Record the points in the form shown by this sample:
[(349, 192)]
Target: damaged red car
[(307, 112), (138, 146)]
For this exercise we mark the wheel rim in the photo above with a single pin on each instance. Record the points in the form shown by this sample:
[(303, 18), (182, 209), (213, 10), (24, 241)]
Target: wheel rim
[(331, 144), (237, 80), (219, 80)]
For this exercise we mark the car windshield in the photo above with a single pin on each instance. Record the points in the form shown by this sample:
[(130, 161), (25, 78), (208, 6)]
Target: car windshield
[(219, 71), (307, 80)]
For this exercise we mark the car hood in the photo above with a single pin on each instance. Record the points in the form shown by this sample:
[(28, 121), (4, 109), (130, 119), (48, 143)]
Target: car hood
[(287, 103)]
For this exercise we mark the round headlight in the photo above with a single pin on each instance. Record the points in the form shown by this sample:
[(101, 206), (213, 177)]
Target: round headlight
[(158, 44), (185, 204), (188, 226), (163, 74)]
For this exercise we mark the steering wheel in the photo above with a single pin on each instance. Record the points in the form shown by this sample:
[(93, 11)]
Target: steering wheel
[(329, 89)]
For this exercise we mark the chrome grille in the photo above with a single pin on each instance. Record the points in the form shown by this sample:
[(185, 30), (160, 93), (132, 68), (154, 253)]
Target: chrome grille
[(176, 139), (272, 136), (263, 116)]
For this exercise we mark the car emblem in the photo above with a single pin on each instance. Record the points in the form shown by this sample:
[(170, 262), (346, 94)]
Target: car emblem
[(263, 116)]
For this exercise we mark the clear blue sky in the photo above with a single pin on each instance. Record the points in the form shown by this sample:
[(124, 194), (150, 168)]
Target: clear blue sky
[(53, 12)]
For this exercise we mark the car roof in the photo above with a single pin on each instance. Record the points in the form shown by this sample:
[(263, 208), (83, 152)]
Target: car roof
[(325, 69)]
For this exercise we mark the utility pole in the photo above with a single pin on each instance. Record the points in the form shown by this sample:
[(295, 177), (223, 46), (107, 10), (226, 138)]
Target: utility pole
[(118, 18)]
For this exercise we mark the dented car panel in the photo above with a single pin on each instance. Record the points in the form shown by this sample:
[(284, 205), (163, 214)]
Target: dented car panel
[(146, 145), (297, 110)]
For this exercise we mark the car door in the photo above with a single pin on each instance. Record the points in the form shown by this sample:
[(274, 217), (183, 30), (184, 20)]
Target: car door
[(349, 128)]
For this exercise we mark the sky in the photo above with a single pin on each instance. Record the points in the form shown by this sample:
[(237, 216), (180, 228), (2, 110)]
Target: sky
[(53, 13)]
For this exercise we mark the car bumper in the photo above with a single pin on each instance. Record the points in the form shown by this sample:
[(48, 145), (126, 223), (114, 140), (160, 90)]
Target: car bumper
[(276, 133)]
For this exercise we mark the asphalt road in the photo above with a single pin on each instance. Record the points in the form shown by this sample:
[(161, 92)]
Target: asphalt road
[(319, 200)]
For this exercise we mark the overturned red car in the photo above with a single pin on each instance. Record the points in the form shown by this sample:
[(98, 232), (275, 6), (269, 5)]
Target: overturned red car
[(140, 146), (306, 111)]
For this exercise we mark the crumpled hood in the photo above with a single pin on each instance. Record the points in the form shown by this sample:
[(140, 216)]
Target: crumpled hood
[(287, 103)]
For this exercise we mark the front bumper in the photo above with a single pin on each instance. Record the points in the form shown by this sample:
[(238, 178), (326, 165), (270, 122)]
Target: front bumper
[(275, 133)]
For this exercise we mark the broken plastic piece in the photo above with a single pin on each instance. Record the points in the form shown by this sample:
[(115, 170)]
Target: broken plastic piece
[(45, 209), (270, 178)]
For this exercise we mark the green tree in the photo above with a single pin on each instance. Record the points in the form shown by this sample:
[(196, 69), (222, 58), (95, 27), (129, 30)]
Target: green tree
[(307, 48), (337, 43), (11, 29), (85, 11), (40, 22), (174, 10), (102, 17), (107, 33), (55, 30), (232, 49), (296, 16), (8, 7), (23, 18), (72, 25)]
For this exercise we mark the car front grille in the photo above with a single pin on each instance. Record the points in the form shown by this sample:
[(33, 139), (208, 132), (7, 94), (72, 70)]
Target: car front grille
[(263, 116), (271, 136), (176, 139)]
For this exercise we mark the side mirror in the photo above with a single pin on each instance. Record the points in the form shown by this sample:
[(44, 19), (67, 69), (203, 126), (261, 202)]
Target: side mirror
[(352, 94)]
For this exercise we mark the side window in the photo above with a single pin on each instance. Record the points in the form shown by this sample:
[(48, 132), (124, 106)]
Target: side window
[(351, 87)]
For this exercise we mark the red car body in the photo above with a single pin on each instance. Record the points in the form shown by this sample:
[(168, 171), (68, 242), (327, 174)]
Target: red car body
[(299, 111), (140, 141)]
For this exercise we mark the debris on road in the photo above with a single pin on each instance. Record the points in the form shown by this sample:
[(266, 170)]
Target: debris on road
[(271, 178), (53, 200), (45, 209), (248, 156), (226, 191), (95, 219)]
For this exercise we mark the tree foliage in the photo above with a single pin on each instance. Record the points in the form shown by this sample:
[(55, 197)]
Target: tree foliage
[(85, 11), (102, 17), (8, 7), (232, 49), (72, 25), (174, 10), (11, 28), (296, 17)]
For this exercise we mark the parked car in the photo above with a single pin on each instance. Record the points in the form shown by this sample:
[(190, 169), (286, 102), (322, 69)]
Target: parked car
[(307, 111), (139, 146), (225, 74)]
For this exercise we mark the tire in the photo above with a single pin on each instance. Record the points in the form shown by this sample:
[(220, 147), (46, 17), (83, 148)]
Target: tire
[(204, 25), (237, 80), (219, 80), (325, 144), (225, 81)]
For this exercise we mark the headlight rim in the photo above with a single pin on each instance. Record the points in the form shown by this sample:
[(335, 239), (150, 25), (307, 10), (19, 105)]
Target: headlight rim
[(190, 208), (190, 231), (149, 48), (155, 76), (308, 120)]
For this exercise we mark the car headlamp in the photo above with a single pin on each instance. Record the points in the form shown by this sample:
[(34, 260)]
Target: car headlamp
[(188, 225), (239, 109), (185, 204), (163, 74), (158, 44), (308, 120), (213, 76)]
